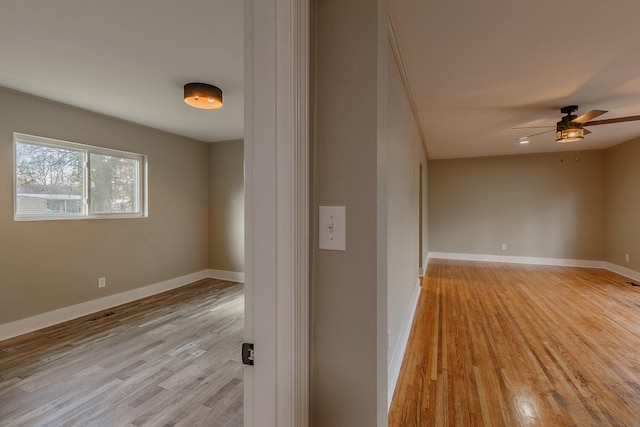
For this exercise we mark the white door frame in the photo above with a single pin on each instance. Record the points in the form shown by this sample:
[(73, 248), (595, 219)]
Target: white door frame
[(276, 154)]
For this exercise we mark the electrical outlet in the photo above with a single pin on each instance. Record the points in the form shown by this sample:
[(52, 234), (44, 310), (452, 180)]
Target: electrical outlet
[(102, 282), (626, 257), (504, 246)]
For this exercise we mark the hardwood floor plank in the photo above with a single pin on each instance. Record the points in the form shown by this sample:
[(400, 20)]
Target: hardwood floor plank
[(170, 359), (521, 345)]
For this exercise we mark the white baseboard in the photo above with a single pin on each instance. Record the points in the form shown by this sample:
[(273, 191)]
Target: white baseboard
[(393, 372), (40, 321), (520, 259), (623, 271), (231, 276)]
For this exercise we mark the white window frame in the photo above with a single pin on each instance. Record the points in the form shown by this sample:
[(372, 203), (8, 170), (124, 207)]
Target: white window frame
[(87, 150)]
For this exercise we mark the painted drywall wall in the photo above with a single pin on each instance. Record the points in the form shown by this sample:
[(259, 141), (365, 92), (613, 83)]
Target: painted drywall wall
[(348, 355), (404, 155), (540, 205), (226, 206), (47, 265), (623, 204)]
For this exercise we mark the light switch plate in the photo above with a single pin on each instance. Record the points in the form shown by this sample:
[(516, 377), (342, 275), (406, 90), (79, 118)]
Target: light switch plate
[(333, 228)]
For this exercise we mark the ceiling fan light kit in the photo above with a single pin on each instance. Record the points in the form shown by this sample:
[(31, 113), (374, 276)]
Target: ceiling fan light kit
[(569, 135)]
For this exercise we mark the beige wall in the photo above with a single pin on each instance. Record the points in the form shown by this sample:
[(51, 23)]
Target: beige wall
[(404, 155), (623, 204), (536, 204), (369, 163), (226, 206), (345, 286), (45, 265)]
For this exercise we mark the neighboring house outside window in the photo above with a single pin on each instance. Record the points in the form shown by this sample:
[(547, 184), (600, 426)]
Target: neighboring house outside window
[(63, 180)]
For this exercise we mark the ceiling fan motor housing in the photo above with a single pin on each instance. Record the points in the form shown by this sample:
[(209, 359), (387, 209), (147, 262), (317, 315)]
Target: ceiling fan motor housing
[(566, 122)]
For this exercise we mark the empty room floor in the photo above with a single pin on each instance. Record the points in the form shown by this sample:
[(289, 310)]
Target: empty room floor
[(172, 359), (519, 345)]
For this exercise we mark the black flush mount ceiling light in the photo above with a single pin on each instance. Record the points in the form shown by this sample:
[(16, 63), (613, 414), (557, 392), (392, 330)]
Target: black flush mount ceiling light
[(203, 95)]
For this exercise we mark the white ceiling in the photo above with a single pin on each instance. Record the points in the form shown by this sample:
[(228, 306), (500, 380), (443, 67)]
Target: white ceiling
[(129, 58), (479, 68), (476, 69)]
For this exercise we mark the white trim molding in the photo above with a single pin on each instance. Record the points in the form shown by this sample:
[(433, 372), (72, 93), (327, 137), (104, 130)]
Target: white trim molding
[(54, 317), (395, 49), (519, 259), (300, 101), (276, 387), (618, 269), (623, 271), (231, 276), (397, 357)]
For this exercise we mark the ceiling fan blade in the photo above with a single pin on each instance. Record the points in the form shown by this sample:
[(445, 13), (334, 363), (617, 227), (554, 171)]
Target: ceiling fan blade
[(615, 120), (586, 132), (532, 127), (588, 116), (540, 133)]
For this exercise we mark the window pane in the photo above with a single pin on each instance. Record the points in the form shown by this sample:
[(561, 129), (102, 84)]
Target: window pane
[(114, 184), (48, 180), (63, 180)]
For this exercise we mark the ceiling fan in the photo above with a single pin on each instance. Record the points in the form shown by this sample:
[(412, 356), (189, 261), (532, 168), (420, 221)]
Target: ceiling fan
[(571, 127)]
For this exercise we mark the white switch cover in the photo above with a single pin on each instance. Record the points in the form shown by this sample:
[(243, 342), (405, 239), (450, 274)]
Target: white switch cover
[(333, 228)]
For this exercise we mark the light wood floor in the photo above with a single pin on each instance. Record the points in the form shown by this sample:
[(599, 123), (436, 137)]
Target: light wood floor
[(515, 345), (168, 360)]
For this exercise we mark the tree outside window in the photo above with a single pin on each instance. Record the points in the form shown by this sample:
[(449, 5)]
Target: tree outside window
[(58, 179)]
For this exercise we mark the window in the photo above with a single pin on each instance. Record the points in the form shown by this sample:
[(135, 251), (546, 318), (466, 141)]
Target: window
[(64, 180)]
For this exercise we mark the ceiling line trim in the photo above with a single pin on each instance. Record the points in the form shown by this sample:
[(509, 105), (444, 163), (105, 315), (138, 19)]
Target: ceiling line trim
[(395, 48)]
